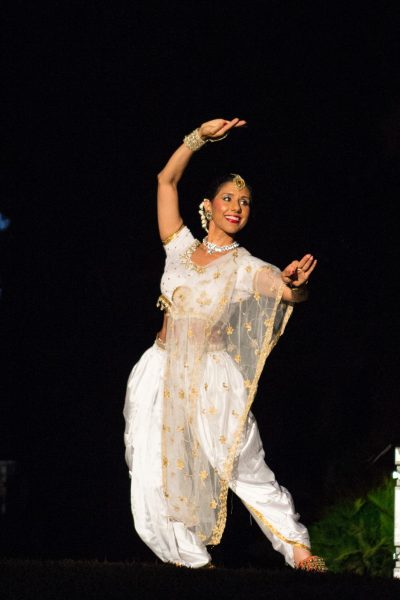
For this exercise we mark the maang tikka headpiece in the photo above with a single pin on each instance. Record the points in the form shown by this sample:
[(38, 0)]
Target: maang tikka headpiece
[(238, 181)]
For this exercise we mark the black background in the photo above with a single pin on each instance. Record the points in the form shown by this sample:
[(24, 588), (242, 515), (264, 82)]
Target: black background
[(96, 96)]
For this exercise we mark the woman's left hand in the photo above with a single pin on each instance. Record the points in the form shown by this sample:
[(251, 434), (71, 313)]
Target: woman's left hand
[(298, 272)]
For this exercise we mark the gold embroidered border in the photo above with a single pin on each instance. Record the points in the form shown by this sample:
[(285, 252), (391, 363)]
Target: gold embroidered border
[(272, 529), (172, 236), (228, 468)]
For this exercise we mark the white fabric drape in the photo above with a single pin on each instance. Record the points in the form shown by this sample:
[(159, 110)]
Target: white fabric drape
[(270, 504)]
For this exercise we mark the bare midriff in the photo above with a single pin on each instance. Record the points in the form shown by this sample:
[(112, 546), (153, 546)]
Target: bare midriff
[(162, 334)]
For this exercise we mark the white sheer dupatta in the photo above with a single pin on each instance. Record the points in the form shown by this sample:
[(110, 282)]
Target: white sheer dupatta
[(243, 316)]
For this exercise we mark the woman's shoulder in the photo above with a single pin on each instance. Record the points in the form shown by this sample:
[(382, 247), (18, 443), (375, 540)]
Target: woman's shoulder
[(179, 241)]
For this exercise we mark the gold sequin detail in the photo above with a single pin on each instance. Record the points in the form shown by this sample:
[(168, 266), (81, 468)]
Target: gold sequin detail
[(203, 299), (273, 530), (186, 258)]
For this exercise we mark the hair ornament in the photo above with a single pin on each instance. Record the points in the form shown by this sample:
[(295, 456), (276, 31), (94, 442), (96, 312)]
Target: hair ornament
[(238, 181), (205, 215)]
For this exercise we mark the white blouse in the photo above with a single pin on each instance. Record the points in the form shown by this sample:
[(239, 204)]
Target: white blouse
[(205, 281)]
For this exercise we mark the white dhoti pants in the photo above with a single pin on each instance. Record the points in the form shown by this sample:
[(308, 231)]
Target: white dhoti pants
[(253, 482)]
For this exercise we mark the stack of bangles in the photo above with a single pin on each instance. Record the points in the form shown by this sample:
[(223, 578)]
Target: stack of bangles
[(194, 141)]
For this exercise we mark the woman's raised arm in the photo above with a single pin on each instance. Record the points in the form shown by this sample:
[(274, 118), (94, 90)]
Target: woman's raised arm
[(169, 217)]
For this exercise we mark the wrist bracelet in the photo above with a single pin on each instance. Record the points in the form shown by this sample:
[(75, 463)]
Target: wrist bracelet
[(297, 288), (194, 141)]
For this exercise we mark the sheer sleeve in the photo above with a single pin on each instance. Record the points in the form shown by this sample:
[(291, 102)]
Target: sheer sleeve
[(256, 275)]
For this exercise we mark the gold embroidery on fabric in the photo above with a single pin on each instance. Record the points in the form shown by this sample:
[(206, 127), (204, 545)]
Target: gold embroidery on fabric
[(206, 386), (186, 258), (166, 428), (225, 385), (180, 428), (217, 275), (212, 410), (190, 332), (180, 464), (273, 530), (181, 394), (163, 303), (267, 346), (224, 475), (248, 269), (213, 504), (204, 299), (222, 439), (247, 326), (166, 394), (238, 358), (229, 330), (247, 383)]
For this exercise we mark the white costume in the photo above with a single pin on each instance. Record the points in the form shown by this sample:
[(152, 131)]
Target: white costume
[(189, 432)]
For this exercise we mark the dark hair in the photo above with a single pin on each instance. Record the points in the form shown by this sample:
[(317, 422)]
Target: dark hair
[(215, 185)]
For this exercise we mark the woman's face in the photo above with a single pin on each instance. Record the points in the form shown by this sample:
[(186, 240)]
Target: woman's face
[(230, 208)]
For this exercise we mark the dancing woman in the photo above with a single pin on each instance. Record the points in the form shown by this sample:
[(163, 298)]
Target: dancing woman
[(190, 435)]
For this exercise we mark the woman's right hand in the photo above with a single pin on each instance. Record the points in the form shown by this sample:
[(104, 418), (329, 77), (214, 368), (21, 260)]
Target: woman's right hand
[(217, 128)]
